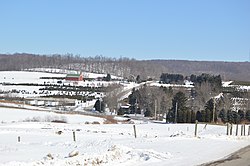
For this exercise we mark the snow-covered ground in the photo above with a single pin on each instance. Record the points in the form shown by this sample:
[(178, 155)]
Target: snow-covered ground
[(26, 77), (12, 115), (34, 76), (226, 83), (239, 87), (43, 142), (187, 85), (46, 143)]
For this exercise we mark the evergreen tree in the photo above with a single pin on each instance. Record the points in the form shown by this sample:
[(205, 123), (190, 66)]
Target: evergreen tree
[(99, 106), (199, 116), (230, 116), (193, 78), (170, 116), (179, 104), (148, 113), (193, 116), (236, 118), (203, 116), (233, 117), (107, 78), (167, 78), (189, 116), (241, 115), (209, 115), (138, 79), (248, 115), (210, 105), (133, 100), (223, 116)]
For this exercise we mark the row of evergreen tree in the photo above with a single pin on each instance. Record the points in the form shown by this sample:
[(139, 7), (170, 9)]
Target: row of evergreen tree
[(180, 113), (168, 78)]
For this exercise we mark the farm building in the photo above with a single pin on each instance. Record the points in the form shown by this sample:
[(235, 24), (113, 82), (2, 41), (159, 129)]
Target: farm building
[(74, 77)]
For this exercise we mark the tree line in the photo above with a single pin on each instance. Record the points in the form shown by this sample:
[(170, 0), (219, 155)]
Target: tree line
[(123, 66), (205, 102)]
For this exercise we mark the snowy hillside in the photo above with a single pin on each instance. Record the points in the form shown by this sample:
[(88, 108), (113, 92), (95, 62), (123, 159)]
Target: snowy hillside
[(23, 142), (37, 83)]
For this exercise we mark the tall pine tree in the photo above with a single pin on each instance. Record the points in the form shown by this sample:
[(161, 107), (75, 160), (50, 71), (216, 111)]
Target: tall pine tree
[(179, 105)]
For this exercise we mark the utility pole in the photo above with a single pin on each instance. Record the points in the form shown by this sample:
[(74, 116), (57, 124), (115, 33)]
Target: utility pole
[(155, 108), (135, 106), (213, 109), (175, 116)]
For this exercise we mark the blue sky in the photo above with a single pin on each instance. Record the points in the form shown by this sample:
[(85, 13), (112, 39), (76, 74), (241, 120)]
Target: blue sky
[(141, 29)]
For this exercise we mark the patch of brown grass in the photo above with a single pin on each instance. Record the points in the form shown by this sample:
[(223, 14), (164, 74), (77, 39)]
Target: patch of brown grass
[(109, 120)]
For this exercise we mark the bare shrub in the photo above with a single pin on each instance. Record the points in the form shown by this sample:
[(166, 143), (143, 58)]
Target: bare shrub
[(95, 122), (47, 118)]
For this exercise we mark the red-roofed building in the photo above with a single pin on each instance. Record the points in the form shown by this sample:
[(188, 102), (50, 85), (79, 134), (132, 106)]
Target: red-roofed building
[(74, 77)]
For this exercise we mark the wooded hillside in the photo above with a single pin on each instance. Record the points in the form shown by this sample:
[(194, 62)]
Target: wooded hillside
[(127, 67)]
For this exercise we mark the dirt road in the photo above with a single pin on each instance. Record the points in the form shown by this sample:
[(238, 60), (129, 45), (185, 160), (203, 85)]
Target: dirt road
[(239, 158)]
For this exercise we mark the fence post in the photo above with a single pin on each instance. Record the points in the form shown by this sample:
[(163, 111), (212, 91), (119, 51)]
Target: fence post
[(19, 139), (196, 126), (236, 133), (241, 130), (248, 130), (134, 130), (227, 128), (74, 135), (244, 133), (231, 129)]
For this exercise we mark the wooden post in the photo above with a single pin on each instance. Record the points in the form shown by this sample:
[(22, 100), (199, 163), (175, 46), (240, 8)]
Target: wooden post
[(74, 135), (244, 133), (227, 128), (18, 139), (241, 130), (134, 130), (236, 133), (196, 126), (231, 129), (205, 126)]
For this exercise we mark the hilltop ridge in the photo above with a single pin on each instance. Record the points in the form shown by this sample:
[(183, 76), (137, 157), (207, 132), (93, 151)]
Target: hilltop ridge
[(126, 67)]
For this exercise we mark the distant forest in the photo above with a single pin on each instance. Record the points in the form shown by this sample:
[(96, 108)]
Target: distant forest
[(126, 67)]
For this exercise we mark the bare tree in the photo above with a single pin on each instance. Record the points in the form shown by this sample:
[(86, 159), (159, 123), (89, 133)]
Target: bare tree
[(203, 94), (112, 96)]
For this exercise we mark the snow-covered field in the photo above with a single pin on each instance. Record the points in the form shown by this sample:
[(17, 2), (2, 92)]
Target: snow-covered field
[(107, 144), (25, 77), (32, 92), (29, 135)]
